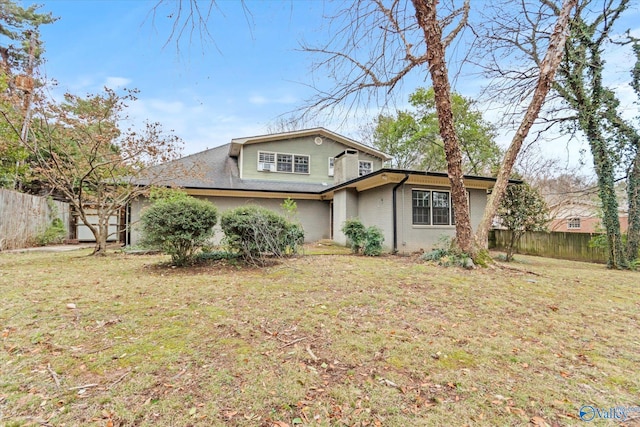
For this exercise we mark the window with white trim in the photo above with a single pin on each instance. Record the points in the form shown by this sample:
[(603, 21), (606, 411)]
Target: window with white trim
[(266, 161), (364, 167), (431, 207), (301, 164), (573, 223), (331, 163), (283, 162)]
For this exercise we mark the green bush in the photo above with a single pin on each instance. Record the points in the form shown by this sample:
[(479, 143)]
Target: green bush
[(355, 232), (55, 233), (446, 254), (255, 232), (179, 226), (366, 240)]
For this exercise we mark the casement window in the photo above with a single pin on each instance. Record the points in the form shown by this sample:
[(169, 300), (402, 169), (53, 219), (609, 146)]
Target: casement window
[(573, 223), (431, 207), (364, 167), (331, 163), (283, 162)]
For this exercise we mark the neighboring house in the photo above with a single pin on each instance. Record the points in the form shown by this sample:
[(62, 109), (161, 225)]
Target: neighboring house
[(331, 178), (581, 216)]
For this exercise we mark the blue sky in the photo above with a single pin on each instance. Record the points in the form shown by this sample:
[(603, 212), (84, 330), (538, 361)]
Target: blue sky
[(236, 85)]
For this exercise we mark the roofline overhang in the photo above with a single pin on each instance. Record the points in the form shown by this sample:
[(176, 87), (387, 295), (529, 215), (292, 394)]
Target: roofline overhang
[(392, 176), (375, 179), (237, 143)]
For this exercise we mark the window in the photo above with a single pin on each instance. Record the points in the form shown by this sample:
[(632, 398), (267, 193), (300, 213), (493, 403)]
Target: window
[(441, 205), (573, 223), (431, 207), (331, 162), (282, 162), (421, 201), (301, 164), (285, 162), (364, 167), (266, 161)]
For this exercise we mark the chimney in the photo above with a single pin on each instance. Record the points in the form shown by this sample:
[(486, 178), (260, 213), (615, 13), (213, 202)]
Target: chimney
[(345, 166)]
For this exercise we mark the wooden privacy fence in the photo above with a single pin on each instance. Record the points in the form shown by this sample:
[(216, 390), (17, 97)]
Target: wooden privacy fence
[(562, 245), (23, 217)]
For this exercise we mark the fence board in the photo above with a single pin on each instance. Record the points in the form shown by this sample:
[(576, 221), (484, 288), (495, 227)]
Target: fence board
[(562, 245), (23, 217)]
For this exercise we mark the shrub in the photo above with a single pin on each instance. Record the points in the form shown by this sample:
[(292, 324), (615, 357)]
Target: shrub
[(355, 232), (366, 240), (255, 232), (446, 254), (178, 226), (55, 233)]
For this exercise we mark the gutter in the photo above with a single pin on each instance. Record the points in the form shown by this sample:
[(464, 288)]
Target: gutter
[(395, 213)]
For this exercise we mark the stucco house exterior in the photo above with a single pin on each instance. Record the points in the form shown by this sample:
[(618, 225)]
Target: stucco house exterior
[(331, 178)]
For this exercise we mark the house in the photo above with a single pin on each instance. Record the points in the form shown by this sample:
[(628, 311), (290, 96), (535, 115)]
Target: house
[(331, 178), (581, 216)]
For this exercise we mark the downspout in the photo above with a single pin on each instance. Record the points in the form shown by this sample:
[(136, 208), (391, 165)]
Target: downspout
[(395, 213)]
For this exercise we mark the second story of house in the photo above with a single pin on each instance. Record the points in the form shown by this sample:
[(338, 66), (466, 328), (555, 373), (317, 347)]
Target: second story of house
[(305, 156)]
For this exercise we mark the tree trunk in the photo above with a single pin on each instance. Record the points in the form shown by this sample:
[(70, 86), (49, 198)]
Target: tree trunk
[(513, 241), (101, 238), (548, 69), (427, 19), (633, 195)]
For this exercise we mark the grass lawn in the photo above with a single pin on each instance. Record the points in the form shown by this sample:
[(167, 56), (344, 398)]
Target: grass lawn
[(327, 340)]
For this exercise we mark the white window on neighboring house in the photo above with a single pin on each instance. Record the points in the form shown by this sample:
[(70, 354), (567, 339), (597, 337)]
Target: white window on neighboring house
[(330, 166), (573, 223), (364, 167), (266, 161)]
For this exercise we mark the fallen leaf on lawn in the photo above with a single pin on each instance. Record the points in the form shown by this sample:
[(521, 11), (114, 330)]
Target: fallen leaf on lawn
[(71, 306), (539, 422), (192, 411), (280, 424), (230, 414), (565, 374)]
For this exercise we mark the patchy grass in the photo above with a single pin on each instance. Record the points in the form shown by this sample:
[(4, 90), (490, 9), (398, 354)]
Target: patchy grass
[(318, 340)]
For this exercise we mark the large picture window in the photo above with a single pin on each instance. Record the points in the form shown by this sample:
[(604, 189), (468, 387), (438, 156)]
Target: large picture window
[(283, 162), (430, 207)]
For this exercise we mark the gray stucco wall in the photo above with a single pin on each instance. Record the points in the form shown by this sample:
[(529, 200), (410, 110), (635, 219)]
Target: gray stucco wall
[(413, 238), (375, 207), (345, 206), (314, 215)]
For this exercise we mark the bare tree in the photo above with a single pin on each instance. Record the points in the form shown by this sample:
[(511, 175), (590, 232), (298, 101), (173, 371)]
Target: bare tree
[(80, 152), (404, 37), (583, 101), (374, 45)]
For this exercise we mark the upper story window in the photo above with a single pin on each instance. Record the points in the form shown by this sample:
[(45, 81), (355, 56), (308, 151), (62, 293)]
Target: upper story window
[(431, 207), (331, 163), (266, 161), (364, 167), (573, 223), (283, 162)]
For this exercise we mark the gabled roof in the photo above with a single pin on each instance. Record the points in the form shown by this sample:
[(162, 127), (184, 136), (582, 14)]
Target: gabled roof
[(237, 143)]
